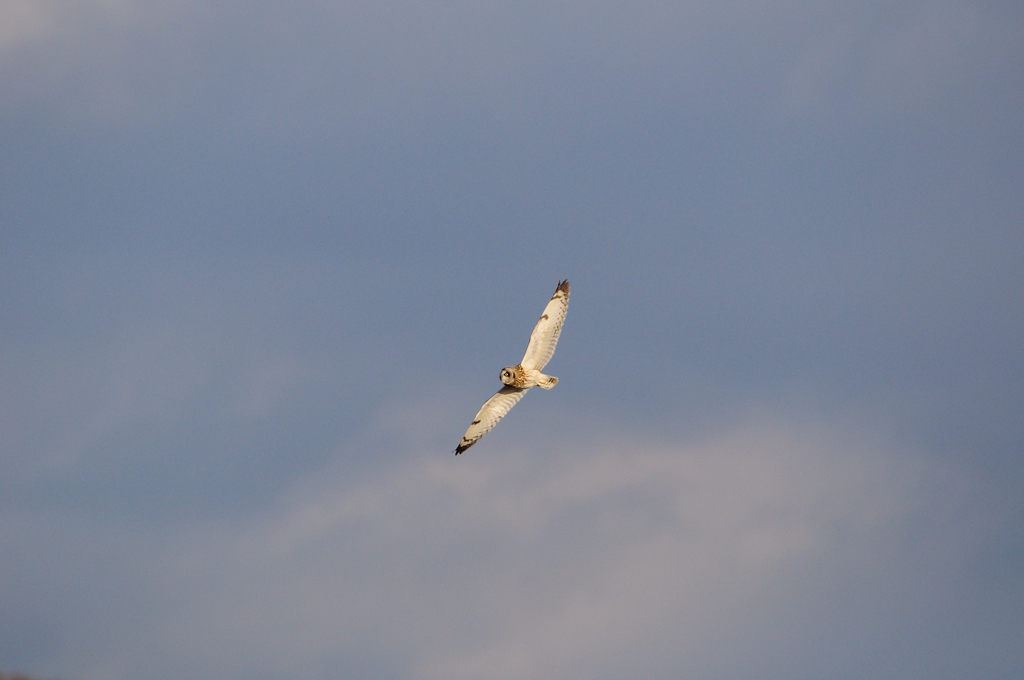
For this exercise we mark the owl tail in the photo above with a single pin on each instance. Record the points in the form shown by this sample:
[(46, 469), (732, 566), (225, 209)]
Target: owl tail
[(547, 381)]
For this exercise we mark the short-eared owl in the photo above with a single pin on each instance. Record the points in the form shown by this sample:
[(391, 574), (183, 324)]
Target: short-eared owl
[(519, 379)]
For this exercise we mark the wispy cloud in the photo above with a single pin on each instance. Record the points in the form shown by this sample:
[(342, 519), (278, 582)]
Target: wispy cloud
[(515, 564)]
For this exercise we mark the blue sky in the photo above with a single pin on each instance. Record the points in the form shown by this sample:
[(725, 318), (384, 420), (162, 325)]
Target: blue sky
[(260, 263)]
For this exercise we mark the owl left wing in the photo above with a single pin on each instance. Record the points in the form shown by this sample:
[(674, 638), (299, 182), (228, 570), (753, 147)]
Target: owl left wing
[(545, 333), (493, 410)]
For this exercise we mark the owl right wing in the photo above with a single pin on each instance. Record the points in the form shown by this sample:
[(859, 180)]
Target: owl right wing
[(545, 333), (493, 410)]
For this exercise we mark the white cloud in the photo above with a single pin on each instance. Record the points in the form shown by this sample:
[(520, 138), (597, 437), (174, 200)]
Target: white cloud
[(22, 22), (93, 60), (515, 564)]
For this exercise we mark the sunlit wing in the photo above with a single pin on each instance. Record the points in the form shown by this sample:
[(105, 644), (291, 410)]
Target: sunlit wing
[(545, 333), (493, 410)]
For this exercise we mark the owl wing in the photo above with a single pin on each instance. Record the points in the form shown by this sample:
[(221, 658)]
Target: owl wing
[(545, 333), (493, 410)]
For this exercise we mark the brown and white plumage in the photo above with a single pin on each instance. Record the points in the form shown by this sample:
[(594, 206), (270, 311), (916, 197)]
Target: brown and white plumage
[(519, 379)]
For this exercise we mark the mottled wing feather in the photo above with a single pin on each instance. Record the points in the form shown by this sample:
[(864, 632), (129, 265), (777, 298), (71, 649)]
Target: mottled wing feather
[(493, 410), (545, 333)]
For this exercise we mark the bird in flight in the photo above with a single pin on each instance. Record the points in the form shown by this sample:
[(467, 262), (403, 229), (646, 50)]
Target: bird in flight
[(519, 379)]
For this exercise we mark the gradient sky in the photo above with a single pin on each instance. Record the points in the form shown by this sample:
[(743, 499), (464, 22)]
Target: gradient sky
[(260, 264)]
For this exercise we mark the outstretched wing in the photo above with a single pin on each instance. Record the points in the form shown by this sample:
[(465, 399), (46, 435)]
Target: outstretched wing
[(545, 333), (493, 410)]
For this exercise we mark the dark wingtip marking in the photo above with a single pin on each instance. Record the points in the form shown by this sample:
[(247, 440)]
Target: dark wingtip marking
[(563, 286)]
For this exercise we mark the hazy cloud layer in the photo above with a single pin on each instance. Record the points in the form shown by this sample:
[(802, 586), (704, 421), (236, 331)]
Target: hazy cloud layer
[(773, 549)]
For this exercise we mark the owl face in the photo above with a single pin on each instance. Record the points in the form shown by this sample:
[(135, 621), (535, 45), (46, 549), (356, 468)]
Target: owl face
[(508, 375)]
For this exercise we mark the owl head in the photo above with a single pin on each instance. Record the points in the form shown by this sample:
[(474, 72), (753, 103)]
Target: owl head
[(508, 375)]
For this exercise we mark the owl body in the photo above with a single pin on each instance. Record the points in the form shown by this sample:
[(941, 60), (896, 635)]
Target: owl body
[(525, 378)]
